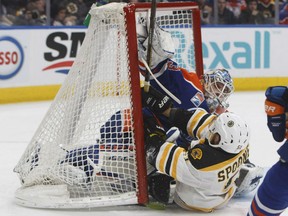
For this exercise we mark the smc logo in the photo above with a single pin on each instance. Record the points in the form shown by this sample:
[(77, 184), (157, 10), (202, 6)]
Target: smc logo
[(11, 57)]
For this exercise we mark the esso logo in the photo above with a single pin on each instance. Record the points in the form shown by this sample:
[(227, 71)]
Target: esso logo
[(11, 57)]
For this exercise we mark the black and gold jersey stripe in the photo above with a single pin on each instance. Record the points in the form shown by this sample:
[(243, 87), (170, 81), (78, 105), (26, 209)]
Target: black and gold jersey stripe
[(198, 122), (169, 159), (213, 158)]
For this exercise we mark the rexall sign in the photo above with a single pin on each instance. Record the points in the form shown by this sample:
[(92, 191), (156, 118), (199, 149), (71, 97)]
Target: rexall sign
[(238, 53), (248, 52)]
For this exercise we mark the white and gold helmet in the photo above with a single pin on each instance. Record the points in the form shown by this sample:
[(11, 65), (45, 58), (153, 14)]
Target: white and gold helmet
[(218, 86), (228, 132)]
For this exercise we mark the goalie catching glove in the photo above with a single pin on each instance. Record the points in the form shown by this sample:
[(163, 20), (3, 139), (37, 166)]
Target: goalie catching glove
[(162, 44), (275, 108), (155, 100)]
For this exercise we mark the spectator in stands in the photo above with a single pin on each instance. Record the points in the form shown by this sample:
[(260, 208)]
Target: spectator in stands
[(58, 19), (225, 16), (33, 14), (76, 11), (252, 15), (283, 13), (206, 11), (236, 6), (61, 16), (40, 6), (267, 7), (10, 9), (4, 16), (13, 7)]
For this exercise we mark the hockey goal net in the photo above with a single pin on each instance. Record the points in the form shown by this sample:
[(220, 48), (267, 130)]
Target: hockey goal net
[(89, 149)]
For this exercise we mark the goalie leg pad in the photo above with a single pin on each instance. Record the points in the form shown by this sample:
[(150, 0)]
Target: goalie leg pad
[(249, 179), (70, 174)]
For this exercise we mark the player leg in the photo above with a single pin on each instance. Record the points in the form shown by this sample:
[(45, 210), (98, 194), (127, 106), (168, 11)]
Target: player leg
[(272, 195), (161, 187)]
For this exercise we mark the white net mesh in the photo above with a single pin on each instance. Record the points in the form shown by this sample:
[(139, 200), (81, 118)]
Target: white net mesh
[(179, 23), (83, 153)]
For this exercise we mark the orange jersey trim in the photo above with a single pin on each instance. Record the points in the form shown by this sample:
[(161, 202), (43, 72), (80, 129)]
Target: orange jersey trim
[(192, 77)]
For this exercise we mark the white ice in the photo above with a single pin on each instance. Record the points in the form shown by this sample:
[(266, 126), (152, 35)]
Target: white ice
[(18, 123)]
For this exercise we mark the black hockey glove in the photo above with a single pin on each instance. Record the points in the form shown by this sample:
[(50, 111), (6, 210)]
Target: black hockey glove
[(275, 107), (153, 126), (155, 100), (155, 137)]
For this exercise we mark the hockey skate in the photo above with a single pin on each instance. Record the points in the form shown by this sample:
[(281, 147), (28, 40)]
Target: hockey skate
[(161, 187)]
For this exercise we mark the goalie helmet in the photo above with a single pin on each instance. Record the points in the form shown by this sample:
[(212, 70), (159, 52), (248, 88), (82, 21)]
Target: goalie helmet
[(218, 86), (229, 132)]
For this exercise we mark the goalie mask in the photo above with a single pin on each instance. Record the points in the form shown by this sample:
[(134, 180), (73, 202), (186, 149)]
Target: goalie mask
[(218, 86), (228, 132)]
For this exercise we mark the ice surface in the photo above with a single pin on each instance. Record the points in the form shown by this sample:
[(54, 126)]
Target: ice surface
[(18, 123)]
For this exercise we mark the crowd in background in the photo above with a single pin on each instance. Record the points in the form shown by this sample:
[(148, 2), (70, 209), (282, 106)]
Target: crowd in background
[(244, 11), (73, 12)]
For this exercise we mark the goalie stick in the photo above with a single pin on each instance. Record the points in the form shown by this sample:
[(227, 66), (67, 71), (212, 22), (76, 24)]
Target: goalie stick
[(150, 40), (157, 81)]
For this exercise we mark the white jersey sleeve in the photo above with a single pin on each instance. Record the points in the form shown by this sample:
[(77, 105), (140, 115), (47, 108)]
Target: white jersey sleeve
[(205, 175), (173, 161), (205, 178)]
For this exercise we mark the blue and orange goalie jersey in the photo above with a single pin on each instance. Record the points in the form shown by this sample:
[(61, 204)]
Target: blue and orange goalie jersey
[(184, 85)]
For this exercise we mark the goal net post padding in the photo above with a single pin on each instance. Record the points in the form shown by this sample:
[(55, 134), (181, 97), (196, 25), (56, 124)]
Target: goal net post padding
[(89, 149)]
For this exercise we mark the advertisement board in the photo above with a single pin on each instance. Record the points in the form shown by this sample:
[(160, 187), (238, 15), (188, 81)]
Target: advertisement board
[(40, 58)]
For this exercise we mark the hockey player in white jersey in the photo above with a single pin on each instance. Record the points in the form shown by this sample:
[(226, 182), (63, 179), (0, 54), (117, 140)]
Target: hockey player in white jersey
[(210, 93), (272, 195), (218, 83), (206, 171)]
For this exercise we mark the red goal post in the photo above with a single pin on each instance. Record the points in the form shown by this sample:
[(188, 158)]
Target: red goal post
[(89, 149), (193, 22)]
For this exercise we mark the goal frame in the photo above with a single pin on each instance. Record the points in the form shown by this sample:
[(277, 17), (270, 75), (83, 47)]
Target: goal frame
[(129, 11), (196, 17)]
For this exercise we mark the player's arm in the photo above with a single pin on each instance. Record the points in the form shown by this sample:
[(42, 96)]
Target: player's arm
[(162, 104), (162, 44), (192, 122), (165, 156), (275, 108), (276, 105)]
